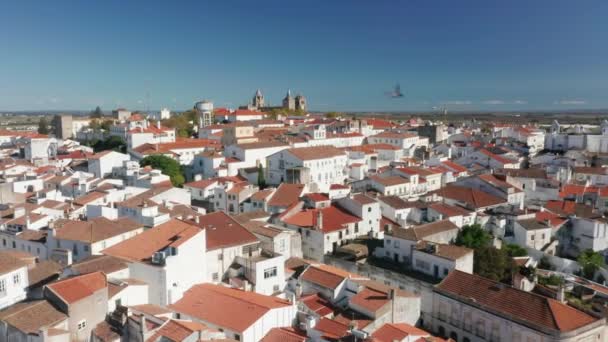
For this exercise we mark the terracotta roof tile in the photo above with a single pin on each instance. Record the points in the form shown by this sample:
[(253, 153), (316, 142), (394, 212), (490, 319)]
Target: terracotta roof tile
[(76, 288), (140, 248), (397, 332), (30, 317), (230, 308), (94, 230), (286, 195), (223, 231), (315, 152), (284, 335), (526, 308)]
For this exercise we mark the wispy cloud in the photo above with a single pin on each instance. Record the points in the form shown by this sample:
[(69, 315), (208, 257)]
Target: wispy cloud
[(458, 102), (494, 102), (520, 102), (571, 102)]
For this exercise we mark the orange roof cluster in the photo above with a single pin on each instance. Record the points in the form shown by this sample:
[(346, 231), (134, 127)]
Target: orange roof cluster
[(226, 307), (94, 230), (140, 248), (316, 152), (569, 190), (176, 330), (532, 310), (224, 231), (76, 288), (284, 335), (473, 197), (390, 332), (496, 157), (333, 219), (379, 123), (286, 195)]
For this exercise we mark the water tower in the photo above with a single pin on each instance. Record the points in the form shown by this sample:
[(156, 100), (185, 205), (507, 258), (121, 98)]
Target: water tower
[(205, 111)]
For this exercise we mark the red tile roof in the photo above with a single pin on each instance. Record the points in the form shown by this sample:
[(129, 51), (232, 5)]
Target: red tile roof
[(140, 248), (449, 210), (224, 231), (454, 166), (496, 157), (317, 304), (76, 288), (331, 329), (379, 123), (284, 335), (316, 152), (397, 332), (529, 309), (176, 331), (474, 198), (333, 218), (570, 190), (370, 299), (286, 195), (323, 277), (225, 307)]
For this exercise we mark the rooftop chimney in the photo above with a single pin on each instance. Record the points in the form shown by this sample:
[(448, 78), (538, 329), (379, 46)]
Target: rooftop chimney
[(561, 294), (319, 223)]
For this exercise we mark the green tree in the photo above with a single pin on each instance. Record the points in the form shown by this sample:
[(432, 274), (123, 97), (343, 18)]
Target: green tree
[(493, 263), (473, 236), (261, 178), (114, 143), (183, 123), (94, 125), (514, 250), (590, 261), (166, 165), (97, 113), (43, 126), (105, 125), (331, 115)]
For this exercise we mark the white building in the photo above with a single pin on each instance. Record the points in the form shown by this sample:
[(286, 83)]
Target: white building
[(468, 307), (13, 279), (318, 167), (101, 164), (163, 258), (532, 234), (85, 238)]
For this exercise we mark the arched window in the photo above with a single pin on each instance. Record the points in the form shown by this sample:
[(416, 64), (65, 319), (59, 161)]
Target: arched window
[(441, 331), (454, 336)]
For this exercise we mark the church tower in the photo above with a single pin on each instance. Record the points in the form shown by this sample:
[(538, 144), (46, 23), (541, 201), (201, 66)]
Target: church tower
[(301, 103), (289, 102), (258, 100)]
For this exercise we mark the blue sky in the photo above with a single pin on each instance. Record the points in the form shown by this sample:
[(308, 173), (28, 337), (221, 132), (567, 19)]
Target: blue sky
[(343, 55)]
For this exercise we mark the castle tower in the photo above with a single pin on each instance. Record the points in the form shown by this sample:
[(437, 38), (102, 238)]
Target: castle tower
[(289, 102), (301, 103), (258, 100)]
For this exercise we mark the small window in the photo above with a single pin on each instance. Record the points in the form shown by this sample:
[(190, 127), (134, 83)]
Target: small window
[(16, 279), (270, 272), (220, 256), (215, 276), (82, 324)]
